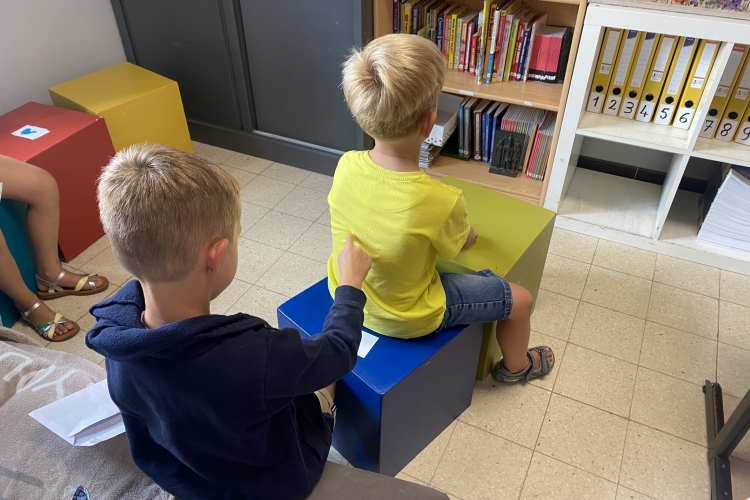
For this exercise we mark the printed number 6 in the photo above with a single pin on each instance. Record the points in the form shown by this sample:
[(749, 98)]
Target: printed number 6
[(684, 118)]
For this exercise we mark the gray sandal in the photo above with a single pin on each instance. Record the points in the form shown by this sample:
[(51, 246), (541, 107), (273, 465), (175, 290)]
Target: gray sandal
[(545, 366)]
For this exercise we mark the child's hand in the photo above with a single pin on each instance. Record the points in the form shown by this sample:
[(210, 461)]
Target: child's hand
[(470, 239), (354, 264)]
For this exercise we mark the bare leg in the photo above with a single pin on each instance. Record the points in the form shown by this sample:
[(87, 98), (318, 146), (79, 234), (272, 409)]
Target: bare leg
[(513, 333), (38, 189), (332, 390)]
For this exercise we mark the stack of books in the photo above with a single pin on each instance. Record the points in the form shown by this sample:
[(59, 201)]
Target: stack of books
[(428, 154), (540, 150), (725, 211), (505, 41)]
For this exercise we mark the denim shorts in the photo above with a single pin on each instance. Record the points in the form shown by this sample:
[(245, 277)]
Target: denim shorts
[(481, 297)]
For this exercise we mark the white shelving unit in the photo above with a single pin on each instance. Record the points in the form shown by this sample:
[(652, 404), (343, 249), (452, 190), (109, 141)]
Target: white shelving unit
[(656, 218)]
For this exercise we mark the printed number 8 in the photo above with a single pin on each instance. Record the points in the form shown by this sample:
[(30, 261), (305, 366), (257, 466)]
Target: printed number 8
[(725, 129)]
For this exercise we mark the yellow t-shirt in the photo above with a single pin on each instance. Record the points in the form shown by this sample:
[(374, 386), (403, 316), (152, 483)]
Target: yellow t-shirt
[(403, 220)]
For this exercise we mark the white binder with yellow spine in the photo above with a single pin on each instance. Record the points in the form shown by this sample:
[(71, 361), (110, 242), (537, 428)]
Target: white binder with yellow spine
[(643, 59), (603, 74), (656, 78), (726, 83), (736, 106), (678, 73), (631, 39), (696, 82)]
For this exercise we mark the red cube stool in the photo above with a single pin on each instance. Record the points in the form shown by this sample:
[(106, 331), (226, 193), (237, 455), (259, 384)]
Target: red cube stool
[(73, 147)]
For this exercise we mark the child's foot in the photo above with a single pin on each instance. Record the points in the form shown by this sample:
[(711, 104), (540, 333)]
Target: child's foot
[(66, 283), (541, 361), (44, 314)]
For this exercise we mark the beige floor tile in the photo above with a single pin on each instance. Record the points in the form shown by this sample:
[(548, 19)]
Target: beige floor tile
[(305, 203), (549, 478), (406, 477), (250, 215), (687, 275), (670, 405), (740, 479), (75, 308), (278, 230), (255, 259), (583, 436), (558, 348), (241, 176), (625, 259), (734, 324), (195, 145), (608, 332), (425, 464), (679, 354), (102, 362), (743, 449), (597, 380), (265, 191), (212, 153), (480, 466), (77, 346), (618, 291), (315, 243), (292, 274), (564, 276), (687, 311), (95, 249), (232, 294), (87, 322), (625, 494), (23, 327), (572, 245), (286, 173), (106, 264), (732, 370), (735, 288), (248, 163), (511, 411), (318, 182), (553, 314), (325, 219), (260, 303), (663, 466)]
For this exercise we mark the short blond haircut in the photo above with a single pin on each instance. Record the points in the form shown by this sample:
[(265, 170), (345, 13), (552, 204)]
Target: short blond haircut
[(393, 83), (160, 206)]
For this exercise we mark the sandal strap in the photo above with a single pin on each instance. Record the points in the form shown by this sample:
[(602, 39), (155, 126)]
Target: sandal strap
[(86, 280), (30, 311), (54, 286), (544, 364)]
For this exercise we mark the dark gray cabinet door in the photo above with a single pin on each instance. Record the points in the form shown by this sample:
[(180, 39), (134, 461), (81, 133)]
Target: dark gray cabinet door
[(294, 51), (185, 41)]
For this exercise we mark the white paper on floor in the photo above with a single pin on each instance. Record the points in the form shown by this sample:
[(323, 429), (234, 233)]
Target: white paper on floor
[(368, 341)]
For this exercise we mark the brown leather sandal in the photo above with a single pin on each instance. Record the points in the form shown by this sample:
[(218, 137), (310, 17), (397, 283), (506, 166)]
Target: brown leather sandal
[(54, 290), (46, 329)]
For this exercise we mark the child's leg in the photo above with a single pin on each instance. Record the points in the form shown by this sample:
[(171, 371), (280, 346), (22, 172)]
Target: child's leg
[(513, 333)]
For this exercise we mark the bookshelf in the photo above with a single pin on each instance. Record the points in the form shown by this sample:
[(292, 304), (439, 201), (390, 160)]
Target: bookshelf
[(538, 95), (663, 218)]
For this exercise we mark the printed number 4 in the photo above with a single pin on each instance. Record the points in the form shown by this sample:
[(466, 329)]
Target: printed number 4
[(643, 111)]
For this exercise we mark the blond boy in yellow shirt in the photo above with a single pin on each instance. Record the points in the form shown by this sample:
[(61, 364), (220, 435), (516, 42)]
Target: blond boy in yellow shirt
[(404, 219)]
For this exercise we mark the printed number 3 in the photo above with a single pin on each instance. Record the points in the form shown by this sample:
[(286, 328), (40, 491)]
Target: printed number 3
[(630, 107)]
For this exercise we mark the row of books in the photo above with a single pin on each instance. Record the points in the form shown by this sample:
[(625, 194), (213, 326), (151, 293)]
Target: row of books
[(724, 218), (735, 5), (505, 41)]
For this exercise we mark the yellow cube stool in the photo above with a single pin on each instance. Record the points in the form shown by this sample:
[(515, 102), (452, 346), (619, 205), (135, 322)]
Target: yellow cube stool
[(137, 105)]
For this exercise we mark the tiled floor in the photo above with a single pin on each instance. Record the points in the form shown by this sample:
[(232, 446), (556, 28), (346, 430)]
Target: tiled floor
[(620, 418)]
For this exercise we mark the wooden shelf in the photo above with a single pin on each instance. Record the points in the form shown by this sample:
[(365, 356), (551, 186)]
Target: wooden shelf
[(535, 94), (635, 133), (520, 187), (725, 152)]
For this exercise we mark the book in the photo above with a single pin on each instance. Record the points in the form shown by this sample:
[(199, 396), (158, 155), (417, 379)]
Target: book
[(540, 21), (477, 129), (473, 52), (512, 39), (446, 120), (537, 164), (504, 27), (721, 96), (492, 46), (523, 22), (467, 114), (451, 34), (482, 29), (460, 120), (486, 132), (704, 60)]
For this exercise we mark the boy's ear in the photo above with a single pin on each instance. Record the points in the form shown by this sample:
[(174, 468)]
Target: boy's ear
[(428, 123), (216, 249)]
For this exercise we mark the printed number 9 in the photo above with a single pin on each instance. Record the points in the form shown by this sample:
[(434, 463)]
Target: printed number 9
[(746, 131)]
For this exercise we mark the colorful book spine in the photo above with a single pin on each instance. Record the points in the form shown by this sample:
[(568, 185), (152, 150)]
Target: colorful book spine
[(482, 40), (396, 15), (493, 43), (473, 56)]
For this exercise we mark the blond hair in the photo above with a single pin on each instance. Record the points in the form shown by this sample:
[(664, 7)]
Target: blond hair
[(393, 83), (160, 206)]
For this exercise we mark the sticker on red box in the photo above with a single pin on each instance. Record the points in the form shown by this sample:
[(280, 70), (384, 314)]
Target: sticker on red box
[(30, 132)]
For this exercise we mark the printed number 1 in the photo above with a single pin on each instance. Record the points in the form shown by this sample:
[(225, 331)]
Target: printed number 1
[(596, 101)]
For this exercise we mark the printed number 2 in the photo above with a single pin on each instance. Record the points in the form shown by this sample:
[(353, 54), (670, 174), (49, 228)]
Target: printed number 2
[(725, 129), (613, 103)]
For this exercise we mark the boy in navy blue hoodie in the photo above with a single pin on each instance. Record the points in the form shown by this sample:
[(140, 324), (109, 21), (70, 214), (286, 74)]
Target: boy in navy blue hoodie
[(214, 407)]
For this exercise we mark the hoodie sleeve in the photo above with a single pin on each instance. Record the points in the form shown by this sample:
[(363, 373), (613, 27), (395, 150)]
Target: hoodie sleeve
[(296, 366)]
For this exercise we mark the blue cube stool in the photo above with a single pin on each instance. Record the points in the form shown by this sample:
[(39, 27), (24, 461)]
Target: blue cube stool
[(402, 395), (13, 226)]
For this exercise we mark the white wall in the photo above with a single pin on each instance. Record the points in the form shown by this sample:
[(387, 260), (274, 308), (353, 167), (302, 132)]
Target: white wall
[(46, 42)]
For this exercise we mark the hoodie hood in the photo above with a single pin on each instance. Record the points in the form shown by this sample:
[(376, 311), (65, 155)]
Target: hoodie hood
[(120, 335)]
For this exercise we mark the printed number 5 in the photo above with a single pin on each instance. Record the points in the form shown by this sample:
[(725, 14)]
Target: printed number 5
[(663, 114)]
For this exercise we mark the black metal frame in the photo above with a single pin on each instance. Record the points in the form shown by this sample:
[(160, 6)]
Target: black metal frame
[(723, 438), (248, 139)]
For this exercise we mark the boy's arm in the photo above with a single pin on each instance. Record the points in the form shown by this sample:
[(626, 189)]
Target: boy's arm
[(296, 366), (455, 232), (470, 239)]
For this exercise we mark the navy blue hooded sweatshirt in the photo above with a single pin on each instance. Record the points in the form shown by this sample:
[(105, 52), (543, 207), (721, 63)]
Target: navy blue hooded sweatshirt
[(222, 407)]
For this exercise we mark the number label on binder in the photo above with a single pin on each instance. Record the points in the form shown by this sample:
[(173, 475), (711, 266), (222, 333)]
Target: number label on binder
[(629, 107), (656, 76), (645, 111), (613, 105), (726, 129), (604, 68), (741, 93), (709, 126), (683, 118), (664, 114), (596, 99), (743, 136)]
